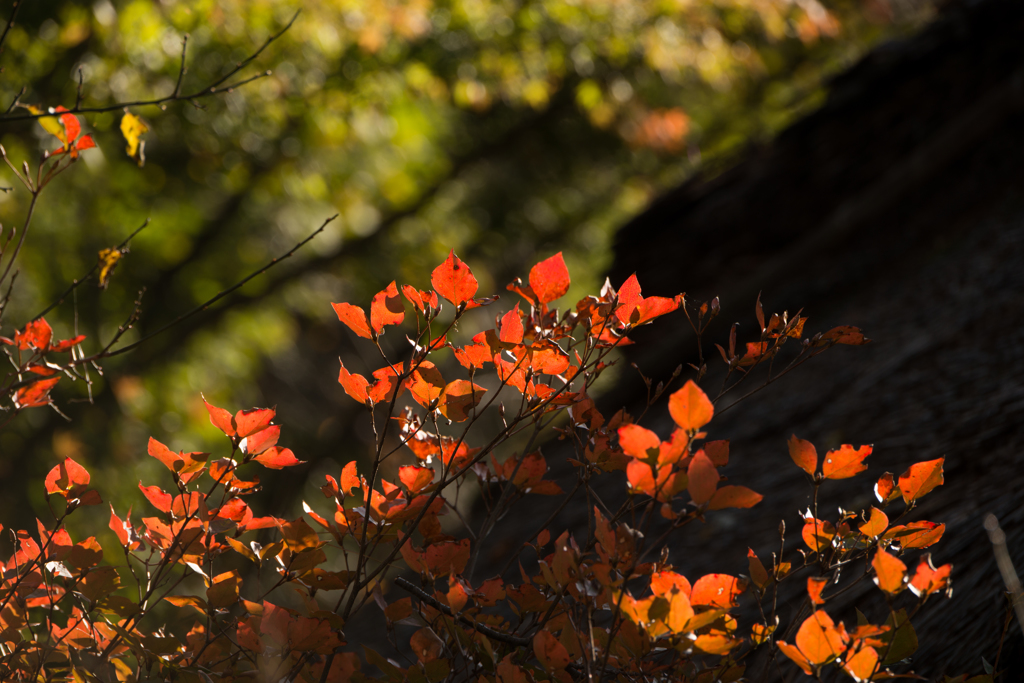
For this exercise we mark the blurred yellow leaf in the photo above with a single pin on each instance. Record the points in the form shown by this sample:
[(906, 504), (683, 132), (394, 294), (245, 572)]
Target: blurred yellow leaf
[(108, 261), (132, 128)]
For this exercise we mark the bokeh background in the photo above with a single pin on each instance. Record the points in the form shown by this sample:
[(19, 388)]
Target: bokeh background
[(504, 129)]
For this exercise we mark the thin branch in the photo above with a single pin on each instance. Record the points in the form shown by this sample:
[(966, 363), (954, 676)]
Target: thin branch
[(175, 96), (202, 307), (74, 285), (10, 24), (406, 585)]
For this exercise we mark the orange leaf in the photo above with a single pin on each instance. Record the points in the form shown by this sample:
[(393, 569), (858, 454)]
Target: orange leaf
[(459, 398), (454, 280), (734, 497), (920, 479), (64, 476), (863, 665), (385, 308), (916, 534), (716, 590), (927, 579), (220, 418), (718, 451), (278, 458), (798, 658), (818, 639), (629, 296), (690, 407), (876, 525), (885, 489), (253, 420), (818, 534), (354, 317), (815, 586), (551, 653), (354, 385), (889, 572), (549, 279), (703, 478), (804, 454), (637, 441), (845, 462)]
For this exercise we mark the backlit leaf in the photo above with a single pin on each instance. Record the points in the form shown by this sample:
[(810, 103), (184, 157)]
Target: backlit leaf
[(549, 279), (803, 454), (354, 385), (386, 308), (916, 534), (510, 330), (109, 258), (845, 462), (862, 666), (454, 280), (354, 317), (132, 128), (734, 497), (818, 639), (876, 525), (920, 479), (815, 585), (927, 579), (889, 572), (277, 458), (716, 590), (690, 407), (35, 394)]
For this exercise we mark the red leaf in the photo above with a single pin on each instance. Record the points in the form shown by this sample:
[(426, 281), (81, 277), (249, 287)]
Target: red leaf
[(277, 458), (454, 280), (37, 334), (84, 142), (118, 527), (551, 653), (703, 478), (426, 384), (804, 454), (256, 443), (354, 317), (734, 497), (549, 279), (420, 299), (169, 458), (690, 407), (35, 394), (415, 478), (889, 572), (716, 590), (758, 574), (653, 307), (220, 418), (72, 128), (386, 308), (920, 479), (155, 495), (386, 383), (253, 420), (629, 298), (66, 345), (885, 489), (511, 328), (845, 462), (64, 476), (426, 645), (718, 452), (845, 334), (354, 385)]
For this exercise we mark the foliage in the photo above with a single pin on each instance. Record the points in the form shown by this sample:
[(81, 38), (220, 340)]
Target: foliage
[(502, 129), (600, 602)]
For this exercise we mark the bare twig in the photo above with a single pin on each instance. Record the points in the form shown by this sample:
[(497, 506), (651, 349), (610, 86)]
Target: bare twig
[(1005, 564)]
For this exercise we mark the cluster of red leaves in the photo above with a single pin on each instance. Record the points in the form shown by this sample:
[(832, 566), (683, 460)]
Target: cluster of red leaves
[(37, 374), (596, 604)]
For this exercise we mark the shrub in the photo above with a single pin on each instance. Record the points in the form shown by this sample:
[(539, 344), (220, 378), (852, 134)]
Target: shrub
[(599, 603)]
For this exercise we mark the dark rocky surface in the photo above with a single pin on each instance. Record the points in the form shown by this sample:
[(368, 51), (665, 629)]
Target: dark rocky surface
[(899, 208)]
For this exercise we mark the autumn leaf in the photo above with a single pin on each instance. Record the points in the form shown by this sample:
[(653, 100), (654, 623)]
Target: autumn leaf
[(758, 574), (817, 642), (459, 399), (551, 653), (354, 317), (844, 334), (920, 479), (734, 497), (716, 590), (690, 407), (510, 330), (815, 585), (454, 280), (889, 572), (65, 476), (386, 308), (703, 479), (132, 128), (915, 534), (109, 259), (355, 385), (277, 458), (845, 462), (927, 579), (35, 394), (803, 454), (549, 279), (876, 525)]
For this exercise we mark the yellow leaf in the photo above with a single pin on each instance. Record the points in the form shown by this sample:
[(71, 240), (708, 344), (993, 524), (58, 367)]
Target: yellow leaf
[(49, 123), (108, 261), (132, 128)]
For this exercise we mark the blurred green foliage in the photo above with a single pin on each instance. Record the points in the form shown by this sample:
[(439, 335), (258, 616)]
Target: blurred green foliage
[(505, 129)]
